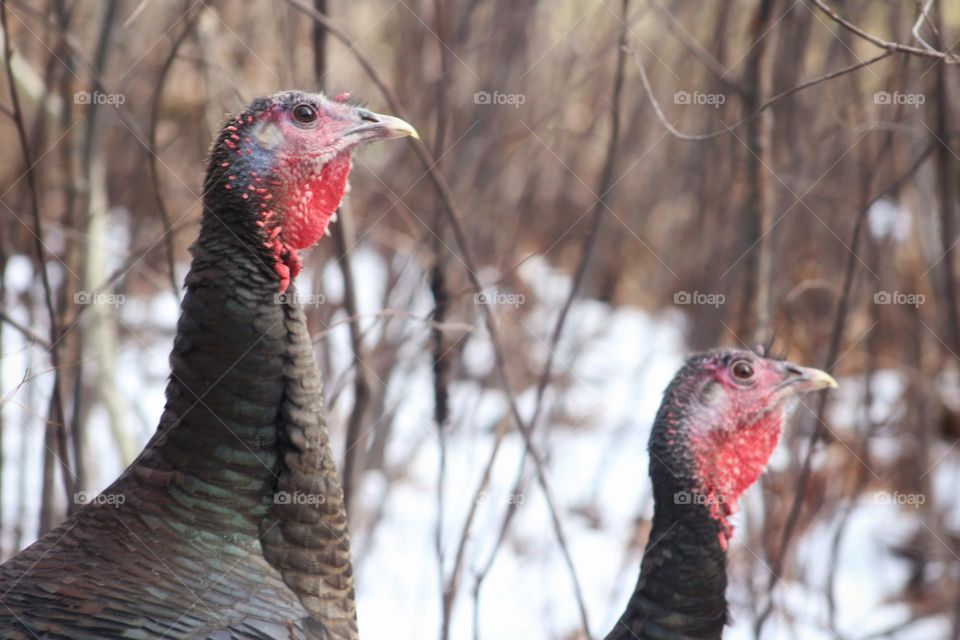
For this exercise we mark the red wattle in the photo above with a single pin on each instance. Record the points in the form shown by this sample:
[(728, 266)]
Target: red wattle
[(729, 461), (308, 207), (313, 201), (297, 194)]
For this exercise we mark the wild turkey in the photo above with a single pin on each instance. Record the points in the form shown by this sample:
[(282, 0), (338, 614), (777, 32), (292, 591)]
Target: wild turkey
[(716, 429), (230, 524)]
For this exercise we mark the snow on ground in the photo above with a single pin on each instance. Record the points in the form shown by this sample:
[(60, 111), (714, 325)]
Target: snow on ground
[(618, 362)]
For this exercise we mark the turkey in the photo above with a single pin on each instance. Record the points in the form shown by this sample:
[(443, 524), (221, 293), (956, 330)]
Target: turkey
[(230, 524), (716, 429)]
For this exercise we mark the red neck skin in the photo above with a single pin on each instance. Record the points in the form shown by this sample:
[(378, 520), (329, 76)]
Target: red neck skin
[(307, 205), (729, 460), (293, 194)]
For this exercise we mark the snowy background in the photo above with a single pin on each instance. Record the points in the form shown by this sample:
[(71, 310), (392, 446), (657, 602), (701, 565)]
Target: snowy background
[(541, 118), (594, 440)]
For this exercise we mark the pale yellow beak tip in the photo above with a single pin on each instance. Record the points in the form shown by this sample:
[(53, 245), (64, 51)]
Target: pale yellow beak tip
[(817, 379), (396, 127)]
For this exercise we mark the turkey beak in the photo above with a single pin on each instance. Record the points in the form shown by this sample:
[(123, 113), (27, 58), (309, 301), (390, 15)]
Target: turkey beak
[(376, 126), (804, 379)]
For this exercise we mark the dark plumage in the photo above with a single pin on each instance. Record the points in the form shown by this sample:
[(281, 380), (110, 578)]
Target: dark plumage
[(719, 422), (231, 523)]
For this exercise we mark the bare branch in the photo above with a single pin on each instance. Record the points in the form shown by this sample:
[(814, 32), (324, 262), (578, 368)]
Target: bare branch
[(880, 42), (152, 138), (57, 418), (776, 567), (26, 331), (766, 105), (454, 216)]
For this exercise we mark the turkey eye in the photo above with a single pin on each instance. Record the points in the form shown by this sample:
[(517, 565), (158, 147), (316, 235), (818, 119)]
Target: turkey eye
[(742, 370), (304, 114)]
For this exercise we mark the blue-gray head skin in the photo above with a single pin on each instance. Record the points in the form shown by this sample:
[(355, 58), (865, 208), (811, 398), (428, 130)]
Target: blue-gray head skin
[(284, 163)]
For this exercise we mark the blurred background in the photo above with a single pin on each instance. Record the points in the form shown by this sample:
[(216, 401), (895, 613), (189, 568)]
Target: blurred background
[(603, 187)]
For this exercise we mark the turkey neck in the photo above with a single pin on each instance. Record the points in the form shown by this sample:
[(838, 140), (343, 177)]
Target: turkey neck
[(220, 432), (243, 434), (682, 584)]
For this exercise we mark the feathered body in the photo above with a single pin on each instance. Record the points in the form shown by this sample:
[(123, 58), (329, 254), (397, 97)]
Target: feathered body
[(231, 523)]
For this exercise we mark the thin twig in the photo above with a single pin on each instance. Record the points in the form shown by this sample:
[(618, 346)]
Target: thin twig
[(880, 42), (597, 216), (860, 481), (946, 196), (758, 205), (152, 140), (454, 216), (26, 331), (697, 137), (776, 566), (439, 351), (342, 237), (461, 327), (57, 421), (705, 56), (921, 18), (362, 391), (77, 54)]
